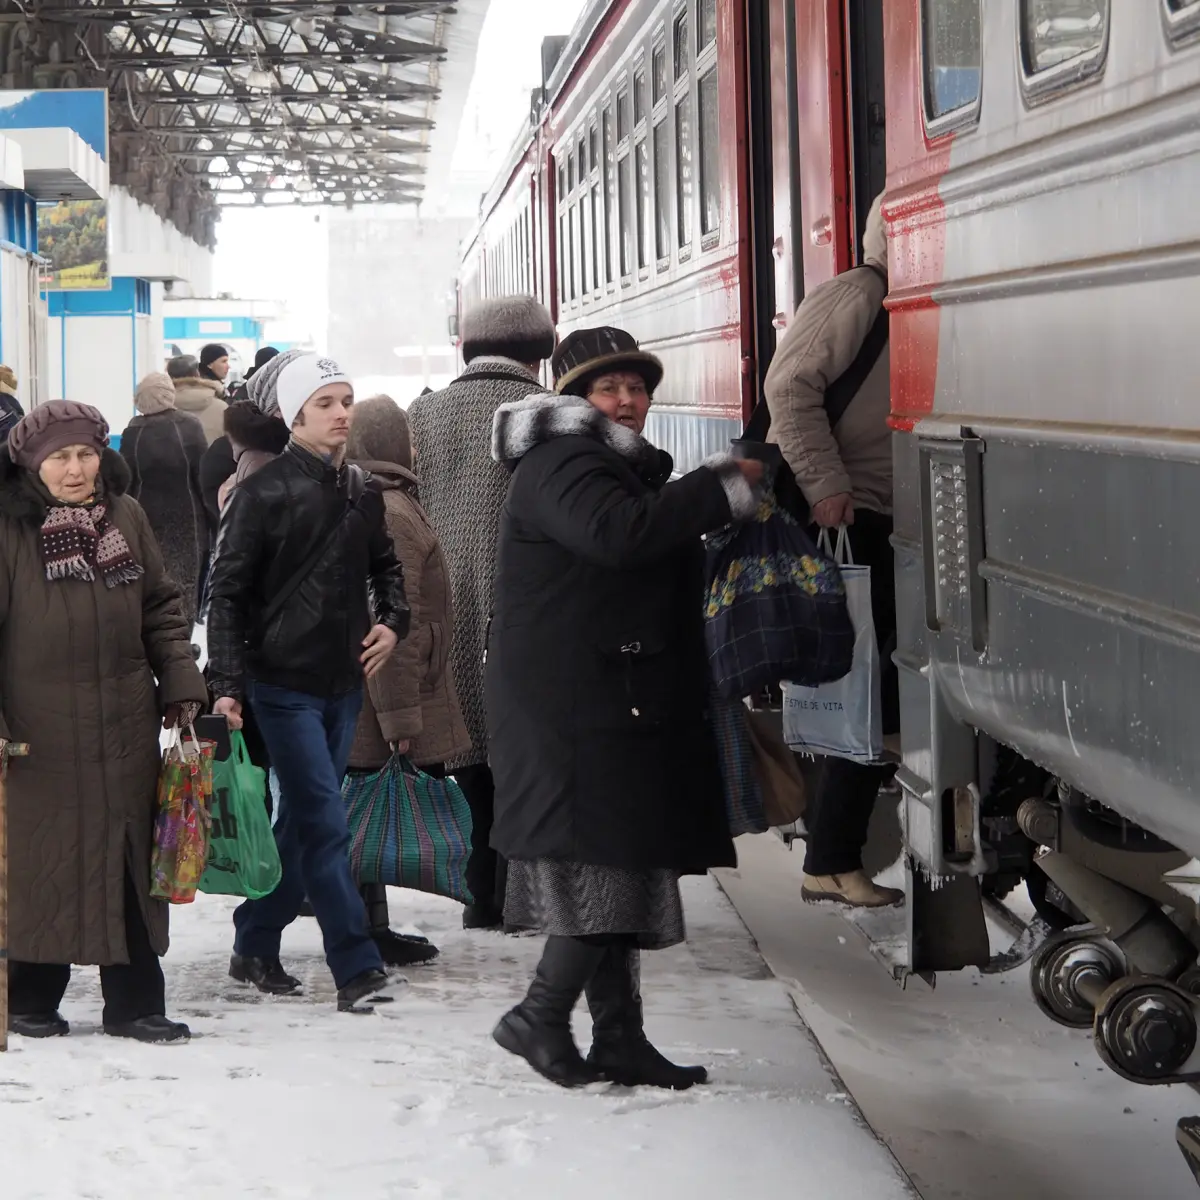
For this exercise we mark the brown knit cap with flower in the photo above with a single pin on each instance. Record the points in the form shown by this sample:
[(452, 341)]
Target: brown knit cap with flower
[(53, 425)]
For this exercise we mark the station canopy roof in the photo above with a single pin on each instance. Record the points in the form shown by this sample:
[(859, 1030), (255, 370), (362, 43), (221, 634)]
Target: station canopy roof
[(283, 100)]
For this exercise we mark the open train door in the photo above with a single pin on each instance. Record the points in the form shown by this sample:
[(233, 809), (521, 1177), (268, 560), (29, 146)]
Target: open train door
[(816, 138)]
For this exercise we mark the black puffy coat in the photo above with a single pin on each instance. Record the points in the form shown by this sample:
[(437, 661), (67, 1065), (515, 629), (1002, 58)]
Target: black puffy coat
[(272, 523), (163, 452), (597, 678)]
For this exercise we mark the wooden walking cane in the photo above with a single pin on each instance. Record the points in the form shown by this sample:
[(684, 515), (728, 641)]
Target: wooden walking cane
[(9, 750)]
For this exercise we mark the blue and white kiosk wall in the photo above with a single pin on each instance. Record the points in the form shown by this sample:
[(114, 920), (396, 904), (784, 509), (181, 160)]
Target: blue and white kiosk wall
[(22, 311), (89, 345)]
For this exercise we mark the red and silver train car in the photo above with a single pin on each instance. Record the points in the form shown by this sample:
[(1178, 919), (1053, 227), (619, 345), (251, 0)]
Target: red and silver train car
[(657, 189), (692, 166)]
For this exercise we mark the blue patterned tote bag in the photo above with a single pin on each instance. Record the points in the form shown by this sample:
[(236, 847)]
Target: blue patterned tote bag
[(409, 830), (776, 607)]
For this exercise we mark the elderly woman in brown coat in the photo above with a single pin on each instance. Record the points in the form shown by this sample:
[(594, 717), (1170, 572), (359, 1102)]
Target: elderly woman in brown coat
[(95, 658), (411, 704)]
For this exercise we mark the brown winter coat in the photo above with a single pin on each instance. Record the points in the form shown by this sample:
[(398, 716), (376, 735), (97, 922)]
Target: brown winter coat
[(820, 344), (202, 399), (413, 697), (78, 663)]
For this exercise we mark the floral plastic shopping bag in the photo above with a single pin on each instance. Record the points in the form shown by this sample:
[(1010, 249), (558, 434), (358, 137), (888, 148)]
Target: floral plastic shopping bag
[(181, 828)]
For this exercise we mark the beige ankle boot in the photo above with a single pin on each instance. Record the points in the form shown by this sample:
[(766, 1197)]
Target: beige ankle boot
[(855, 889)]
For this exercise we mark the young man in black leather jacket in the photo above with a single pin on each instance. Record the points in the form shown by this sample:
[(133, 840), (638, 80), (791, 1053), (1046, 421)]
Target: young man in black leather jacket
[(306, 595)]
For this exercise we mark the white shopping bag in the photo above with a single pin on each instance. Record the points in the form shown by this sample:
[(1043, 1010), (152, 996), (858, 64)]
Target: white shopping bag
[(843, 718)]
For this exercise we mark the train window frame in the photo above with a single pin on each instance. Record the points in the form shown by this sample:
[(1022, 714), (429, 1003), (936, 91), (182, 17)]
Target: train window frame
[(608, 154), (1182, 25), (1040, 87), (710, 239), (954, 120), (681, 15), (686, 92), (700, 13), (595, 204), (662, 139), (641, 94), (685, 206), (659, 87), (643, 184)]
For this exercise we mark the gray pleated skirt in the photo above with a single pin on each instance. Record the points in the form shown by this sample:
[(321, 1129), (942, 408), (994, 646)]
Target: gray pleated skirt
[(569, 899)]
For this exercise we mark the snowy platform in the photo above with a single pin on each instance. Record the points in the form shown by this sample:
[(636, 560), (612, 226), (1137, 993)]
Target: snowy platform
[(287, 1099)]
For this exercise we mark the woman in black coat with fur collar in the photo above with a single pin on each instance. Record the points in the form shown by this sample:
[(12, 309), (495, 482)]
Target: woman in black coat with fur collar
[(607, 780)]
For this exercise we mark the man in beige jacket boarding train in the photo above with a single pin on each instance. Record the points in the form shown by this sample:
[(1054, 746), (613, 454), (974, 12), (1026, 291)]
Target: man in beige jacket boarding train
[(829, 398)]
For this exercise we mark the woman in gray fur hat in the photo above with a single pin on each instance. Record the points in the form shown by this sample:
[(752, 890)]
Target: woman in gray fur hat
[(504, 343)]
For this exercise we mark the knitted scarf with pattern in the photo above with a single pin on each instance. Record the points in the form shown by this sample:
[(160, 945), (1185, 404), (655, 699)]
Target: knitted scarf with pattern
[(77, 539)]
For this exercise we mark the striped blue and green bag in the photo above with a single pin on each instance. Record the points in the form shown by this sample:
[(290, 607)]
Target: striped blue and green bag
[(409, 830)]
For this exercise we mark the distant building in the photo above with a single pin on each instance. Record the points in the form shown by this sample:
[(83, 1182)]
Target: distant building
[(391, 297)]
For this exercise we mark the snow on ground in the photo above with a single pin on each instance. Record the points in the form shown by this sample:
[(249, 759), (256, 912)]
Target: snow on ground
[(288, 1100), (978, 1094)]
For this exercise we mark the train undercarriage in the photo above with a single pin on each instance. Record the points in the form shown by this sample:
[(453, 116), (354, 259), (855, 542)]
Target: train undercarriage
[(1115, 941)]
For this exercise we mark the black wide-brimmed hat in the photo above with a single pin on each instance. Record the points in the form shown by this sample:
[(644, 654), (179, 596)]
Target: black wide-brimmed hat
[(586, 353)]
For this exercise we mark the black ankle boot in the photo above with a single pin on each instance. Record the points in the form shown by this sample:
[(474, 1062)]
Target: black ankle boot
[(38, 1025), (620, 1050), (539, 1028), (267, 974)]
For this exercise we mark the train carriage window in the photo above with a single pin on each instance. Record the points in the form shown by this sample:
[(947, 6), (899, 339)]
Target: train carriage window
[(644, 214), (622, 116), (572, 241), (587, 241), (599, 236), (706, 28), (639, 98), (662, 190), (624, 214), (681, 44), (1063, 42), (658, 73), (710, 154), (951, 51), (684, 179), (608, 151), (1183, 18)]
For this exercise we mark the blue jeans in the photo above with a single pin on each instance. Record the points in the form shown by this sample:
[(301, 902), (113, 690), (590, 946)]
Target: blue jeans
[(308, 739)]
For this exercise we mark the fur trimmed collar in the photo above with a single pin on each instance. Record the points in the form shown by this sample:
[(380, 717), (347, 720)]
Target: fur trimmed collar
[(248, 429), (22, 501), (523, 424)]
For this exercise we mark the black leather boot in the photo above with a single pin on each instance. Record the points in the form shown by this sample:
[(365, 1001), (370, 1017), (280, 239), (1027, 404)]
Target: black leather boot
[(539, 1028), (38, 1025), (620, 1050), (267, 974)]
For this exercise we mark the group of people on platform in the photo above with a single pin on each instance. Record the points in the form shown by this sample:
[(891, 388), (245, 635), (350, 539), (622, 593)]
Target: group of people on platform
[(502, 583)]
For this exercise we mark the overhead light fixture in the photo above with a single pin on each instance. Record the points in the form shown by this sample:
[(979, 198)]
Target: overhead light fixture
[(304, 26), (304, 184), (256, 77)]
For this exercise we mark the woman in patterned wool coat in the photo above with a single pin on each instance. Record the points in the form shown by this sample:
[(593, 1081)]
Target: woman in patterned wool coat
[(608, 786), (505, 341)]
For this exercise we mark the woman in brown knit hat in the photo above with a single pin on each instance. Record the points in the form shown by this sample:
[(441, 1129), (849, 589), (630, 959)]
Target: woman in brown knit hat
[(89, 621)]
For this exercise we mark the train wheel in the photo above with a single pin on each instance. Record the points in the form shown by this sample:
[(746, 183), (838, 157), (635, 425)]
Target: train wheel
[(1066, 970), (1146, 1029)]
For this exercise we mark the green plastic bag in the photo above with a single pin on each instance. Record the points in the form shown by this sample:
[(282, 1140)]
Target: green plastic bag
[(243, 859)]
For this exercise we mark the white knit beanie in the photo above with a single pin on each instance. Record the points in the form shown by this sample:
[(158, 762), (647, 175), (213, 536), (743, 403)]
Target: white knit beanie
[(301, 379)]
